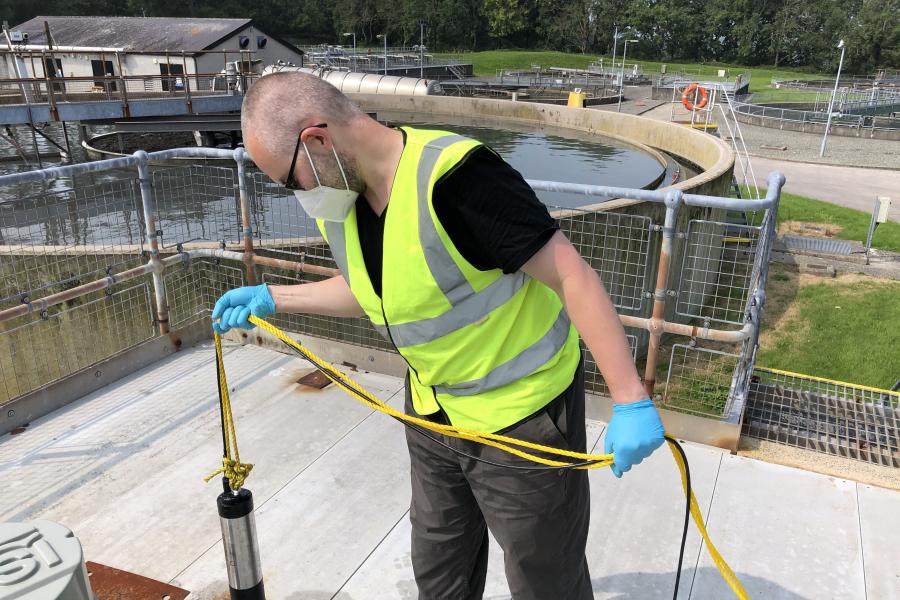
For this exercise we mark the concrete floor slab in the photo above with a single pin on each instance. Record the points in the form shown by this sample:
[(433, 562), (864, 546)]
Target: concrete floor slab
[(788, 534), (388, 572), (135, 454), (637, 521), (123, 468), (317, 529), (879, 523)]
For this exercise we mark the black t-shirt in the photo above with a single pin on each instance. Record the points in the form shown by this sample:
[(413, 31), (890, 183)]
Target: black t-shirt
[(492, 216)]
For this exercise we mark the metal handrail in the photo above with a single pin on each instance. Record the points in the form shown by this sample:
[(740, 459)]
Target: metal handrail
[(807, 116), (656, 325)]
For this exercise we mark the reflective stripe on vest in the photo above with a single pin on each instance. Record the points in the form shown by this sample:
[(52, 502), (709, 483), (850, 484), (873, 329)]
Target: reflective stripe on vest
[(443, 268), (468, 306), (527, 361), (490, 348)]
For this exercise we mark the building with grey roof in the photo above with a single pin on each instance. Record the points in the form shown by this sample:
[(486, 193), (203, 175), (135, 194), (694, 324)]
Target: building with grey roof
[(139, 46)]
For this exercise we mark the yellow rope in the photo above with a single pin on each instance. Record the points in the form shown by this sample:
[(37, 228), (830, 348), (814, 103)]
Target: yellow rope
[(234, 470), (502, 442)]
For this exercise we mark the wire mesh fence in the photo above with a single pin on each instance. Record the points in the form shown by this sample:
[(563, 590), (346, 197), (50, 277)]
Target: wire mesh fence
[(699, 380), (356, 331), (41, 348), (197, 203), (280, 226), (55, 239), (833, 417), (717, 271), (617, 246), (199, 224), (193, 287)]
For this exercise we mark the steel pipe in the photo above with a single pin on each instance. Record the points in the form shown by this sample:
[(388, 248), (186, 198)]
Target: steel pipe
[(148, 203), (268, 261), (42, 304)]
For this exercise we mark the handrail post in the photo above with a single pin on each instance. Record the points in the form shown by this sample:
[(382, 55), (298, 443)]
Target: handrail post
[(148, 203), (126, 109), (657, 320), (54, 112), (187, 82), (247, 233)]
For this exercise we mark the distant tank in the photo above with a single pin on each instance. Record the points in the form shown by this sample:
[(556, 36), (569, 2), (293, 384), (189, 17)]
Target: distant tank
[(351, 82)]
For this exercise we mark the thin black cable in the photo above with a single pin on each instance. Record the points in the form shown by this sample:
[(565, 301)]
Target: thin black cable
[(672, 441), (687, 509)]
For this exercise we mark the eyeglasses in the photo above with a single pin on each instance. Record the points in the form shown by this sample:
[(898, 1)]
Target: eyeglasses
[(289, 182)]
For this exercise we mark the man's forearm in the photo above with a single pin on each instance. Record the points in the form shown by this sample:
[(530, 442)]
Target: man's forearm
[(331, 297), (594, 316)]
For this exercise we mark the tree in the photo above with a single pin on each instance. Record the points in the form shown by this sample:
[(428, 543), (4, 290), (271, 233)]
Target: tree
[(505, 17), (359, 16), (873, 38), (572, 25)]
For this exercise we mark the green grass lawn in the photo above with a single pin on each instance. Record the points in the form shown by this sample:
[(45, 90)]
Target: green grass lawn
[(855, 223), (487, 63), (834, 328), (843, 328)]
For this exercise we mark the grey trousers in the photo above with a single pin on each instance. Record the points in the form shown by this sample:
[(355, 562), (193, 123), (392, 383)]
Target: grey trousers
[(539, 517)]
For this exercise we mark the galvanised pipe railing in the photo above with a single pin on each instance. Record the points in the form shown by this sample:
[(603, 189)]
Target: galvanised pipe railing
[(656, 324)]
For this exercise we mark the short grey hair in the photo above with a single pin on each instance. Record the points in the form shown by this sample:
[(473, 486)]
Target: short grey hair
[(278, 105)]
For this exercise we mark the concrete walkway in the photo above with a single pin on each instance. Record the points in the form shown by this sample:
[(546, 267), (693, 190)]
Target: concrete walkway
[(122, 467)]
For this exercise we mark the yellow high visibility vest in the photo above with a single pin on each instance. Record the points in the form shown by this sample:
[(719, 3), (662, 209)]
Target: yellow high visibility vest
[(487, 347)]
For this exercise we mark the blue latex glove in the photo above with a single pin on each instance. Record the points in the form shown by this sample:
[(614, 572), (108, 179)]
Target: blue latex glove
[(235, 306), (632, 435)]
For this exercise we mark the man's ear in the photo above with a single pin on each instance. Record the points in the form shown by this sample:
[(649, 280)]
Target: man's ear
[(315, 136)]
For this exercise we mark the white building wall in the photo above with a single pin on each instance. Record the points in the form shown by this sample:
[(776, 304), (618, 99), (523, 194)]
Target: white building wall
[(274, 50), (78, 64)]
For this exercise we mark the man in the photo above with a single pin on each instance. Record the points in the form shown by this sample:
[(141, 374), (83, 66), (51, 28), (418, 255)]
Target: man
[(454, 259)]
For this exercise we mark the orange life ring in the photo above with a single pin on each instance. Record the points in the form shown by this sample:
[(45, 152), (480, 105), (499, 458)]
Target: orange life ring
[(686, 96)]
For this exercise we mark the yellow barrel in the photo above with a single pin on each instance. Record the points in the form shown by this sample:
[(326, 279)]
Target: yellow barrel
[(576, 98)]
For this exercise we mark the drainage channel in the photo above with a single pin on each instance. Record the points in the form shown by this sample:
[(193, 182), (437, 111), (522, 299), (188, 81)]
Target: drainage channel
[(825, 422)]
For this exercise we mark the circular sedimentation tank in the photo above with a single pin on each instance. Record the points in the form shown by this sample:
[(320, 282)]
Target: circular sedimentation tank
[(553, 143)]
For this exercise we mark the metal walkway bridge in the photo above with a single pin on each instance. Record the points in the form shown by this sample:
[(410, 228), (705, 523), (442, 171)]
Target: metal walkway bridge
[(98, 98)]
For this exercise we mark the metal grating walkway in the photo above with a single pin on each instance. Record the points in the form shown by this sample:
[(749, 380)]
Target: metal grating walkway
[(811, 244)]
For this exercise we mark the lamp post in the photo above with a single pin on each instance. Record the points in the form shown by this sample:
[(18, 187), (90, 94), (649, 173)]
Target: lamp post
[(831, 103), (421, 49), (384, 37), (622, 77), (352, 62), (615, 42)]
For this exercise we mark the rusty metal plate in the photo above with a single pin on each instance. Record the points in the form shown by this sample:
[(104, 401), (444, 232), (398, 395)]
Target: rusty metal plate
[(314, 380), (109, 583)]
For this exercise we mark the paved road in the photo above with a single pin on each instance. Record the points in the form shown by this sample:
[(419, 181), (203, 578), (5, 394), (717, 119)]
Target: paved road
[(845, 186)]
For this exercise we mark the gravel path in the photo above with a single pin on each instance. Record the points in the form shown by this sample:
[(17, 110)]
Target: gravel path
[(842, 183), (844, 151), (845, 468)]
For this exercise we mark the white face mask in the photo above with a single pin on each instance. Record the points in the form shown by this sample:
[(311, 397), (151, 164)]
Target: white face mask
[(323, 202)]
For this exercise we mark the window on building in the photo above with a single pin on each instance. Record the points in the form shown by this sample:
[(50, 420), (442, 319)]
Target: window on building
[(172, 83), (53, 68), (103, 68)]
